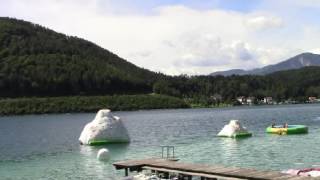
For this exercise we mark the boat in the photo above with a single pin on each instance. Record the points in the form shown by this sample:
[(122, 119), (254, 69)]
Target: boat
[(290, 129)]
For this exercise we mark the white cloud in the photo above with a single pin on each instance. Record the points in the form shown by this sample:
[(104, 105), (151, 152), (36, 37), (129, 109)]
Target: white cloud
[(174, 39), (264, 22), (316, 51)]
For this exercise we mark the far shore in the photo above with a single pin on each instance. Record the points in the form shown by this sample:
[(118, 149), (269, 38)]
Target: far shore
[(83, 104), (72, 104)]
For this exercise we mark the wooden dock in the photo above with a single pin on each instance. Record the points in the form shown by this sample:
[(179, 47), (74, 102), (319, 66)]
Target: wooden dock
[(188, 170)]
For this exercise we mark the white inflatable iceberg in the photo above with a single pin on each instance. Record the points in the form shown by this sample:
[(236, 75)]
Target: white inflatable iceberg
[(105, 128), (234, 129)]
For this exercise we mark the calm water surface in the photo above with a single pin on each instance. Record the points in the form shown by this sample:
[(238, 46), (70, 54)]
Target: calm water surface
[(46, 146)]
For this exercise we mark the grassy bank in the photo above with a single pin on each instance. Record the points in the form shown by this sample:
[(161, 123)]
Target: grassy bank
[(221, 105), (88, 104)]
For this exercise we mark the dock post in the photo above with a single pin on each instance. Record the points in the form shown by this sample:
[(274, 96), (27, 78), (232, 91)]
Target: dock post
[(173, 152), (162, 151), (185, 177), (189, 177), (165, 175), (126, 172)]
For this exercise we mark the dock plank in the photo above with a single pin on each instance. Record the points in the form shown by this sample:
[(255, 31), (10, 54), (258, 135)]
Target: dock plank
[(203, 170), (189, 173)]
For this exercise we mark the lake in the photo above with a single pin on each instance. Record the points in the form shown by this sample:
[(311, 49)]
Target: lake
[(47, 147)]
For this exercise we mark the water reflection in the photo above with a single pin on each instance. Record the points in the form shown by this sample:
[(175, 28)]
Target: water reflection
[(229, 147), (92, 167), (115, 150)]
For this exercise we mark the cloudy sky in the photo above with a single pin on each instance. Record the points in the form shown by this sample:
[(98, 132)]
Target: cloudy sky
[(183, 36)]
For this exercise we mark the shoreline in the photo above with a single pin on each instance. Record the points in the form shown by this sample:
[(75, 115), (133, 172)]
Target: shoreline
[(83, 104), (91, 104)]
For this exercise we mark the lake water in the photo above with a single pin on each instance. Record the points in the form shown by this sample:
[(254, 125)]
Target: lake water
[(46, 146)]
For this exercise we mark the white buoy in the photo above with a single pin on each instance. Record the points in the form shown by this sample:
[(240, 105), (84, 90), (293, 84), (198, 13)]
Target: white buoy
[(103, 154)]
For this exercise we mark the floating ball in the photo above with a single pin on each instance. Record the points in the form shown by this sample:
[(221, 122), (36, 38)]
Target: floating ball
[(103, 154)]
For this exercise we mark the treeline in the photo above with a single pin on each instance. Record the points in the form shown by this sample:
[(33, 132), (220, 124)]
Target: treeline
[(88, 104), (292, 84)]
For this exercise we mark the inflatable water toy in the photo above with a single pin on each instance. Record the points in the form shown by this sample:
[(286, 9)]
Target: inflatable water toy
[(104, 129), (242, 134), (291, 129), (96, 142), (234, 130)]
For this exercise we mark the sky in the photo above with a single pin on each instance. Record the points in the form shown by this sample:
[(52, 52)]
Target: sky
[(190, 37)]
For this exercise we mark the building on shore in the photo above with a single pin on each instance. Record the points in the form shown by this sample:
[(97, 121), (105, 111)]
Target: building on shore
[(313, 99), (246, 100), (267, 100), (250, 100), (242, 100)]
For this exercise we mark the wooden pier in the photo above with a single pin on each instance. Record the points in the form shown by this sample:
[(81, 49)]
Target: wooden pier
[(205, 172)]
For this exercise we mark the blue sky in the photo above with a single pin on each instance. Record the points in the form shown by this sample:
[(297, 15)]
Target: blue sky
[(146, 6), (183, 36)]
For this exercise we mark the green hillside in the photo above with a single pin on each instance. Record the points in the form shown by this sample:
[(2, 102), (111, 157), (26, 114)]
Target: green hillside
[(36, 61)]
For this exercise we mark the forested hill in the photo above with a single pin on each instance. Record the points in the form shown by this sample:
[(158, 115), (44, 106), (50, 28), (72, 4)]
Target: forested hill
[(36, 61), (296, 84)]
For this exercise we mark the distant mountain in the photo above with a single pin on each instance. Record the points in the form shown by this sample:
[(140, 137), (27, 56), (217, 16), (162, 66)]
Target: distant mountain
[(296, 62), (36, 61), (230, 72)]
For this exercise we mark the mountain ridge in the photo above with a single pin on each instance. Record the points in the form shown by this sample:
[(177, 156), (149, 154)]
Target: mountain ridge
[(299, 61)]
